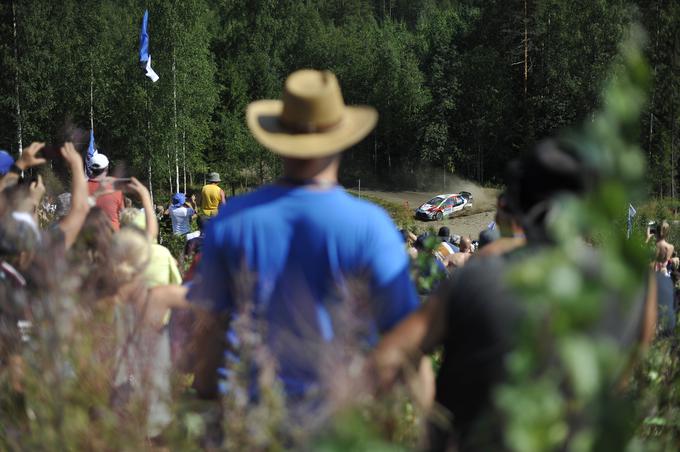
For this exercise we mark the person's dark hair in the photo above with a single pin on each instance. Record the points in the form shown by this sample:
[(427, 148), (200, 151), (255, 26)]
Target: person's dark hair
[(488, 236), (444, 232), (420, 241), (98, 172), (16, 237), (15, 195), (549, 170)]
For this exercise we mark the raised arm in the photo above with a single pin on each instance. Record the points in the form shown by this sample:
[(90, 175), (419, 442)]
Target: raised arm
[(145, 196), (27, 160), (71, 224)]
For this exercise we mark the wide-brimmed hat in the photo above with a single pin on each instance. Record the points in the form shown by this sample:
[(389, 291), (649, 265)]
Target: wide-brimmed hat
[(311, 120), (214, 177)]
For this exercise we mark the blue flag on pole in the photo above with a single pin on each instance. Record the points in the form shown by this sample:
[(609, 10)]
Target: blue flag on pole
[(91, 152), (631, 214), (144, 56)]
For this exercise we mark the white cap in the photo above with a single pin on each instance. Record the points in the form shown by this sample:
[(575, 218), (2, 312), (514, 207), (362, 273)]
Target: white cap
[(99, 161)]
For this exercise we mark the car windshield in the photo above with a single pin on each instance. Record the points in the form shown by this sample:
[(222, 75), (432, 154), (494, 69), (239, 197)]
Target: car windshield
[(435, 201)]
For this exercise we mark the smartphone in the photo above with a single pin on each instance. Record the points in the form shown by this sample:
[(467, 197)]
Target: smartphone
[(121, 183), (51, 152)]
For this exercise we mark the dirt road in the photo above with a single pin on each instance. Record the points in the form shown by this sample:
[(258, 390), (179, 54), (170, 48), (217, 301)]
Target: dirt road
[(467, 223)]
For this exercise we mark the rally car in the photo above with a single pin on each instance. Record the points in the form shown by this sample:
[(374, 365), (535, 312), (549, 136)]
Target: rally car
[(442, 206)]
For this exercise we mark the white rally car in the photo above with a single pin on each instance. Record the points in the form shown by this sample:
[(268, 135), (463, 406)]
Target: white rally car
[(442, 206)]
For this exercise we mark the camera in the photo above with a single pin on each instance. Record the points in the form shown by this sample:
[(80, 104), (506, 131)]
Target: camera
[(653, 227)]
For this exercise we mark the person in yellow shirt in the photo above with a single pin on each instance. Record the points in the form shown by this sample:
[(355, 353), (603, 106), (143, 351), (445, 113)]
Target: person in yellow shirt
[(212, 196)]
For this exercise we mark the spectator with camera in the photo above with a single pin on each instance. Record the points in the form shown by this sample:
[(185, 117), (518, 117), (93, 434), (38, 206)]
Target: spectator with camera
[(664, 250)]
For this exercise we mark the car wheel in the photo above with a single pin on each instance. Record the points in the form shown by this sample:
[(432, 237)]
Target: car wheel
[(439, 216)]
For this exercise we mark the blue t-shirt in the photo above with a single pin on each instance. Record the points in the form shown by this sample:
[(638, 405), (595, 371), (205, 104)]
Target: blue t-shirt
[(306, 250)]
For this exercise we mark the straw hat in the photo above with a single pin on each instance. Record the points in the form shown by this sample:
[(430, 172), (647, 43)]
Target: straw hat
[(311, 120)]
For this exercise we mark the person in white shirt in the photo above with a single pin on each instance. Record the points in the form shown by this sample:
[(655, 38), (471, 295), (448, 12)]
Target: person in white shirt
[(181, 214)]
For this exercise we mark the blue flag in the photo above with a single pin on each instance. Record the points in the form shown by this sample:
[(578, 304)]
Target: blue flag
[(631, 214), (144, 56), (91, 152)]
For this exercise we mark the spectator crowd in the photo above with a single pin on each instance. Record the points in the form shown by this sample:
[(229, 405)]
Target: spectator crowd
[(296, 255)]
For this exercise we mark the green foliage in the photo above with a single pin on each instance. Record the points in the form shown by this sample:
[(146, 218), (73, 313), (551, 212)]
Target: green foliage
[(561, 392), (400, 213), (656, 386), (447, 78)]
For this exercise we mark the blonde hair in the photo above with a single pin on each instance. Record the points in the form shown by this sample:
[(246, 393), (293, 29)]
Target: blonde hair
[(130, 254), (664, 229), (132, 217)]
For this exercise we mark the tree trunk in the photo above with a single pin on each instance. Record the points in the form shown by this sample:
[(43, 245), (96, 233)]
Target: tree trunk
[(261, 169), (174, 99), (375, 152), (167, 155), (652, 100), (480, 158), (674, 121), (184, 158), (149, 157), (526, 49), (150, 183), (389, 162), (16, 81), (91, 95)]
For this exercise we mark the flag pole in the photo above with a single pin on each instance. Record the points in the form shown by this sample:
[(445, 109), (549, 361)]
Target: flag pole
[(143, 44)]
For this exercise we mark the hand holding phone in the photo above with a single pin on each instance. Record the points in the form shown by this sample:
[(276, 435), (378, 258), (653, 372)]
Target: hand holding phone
[(121, 183), (51, 152)]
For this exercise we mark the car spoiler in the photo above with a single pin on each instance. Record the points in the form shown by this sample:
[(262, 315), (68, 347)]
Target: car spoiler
[(466, 194)]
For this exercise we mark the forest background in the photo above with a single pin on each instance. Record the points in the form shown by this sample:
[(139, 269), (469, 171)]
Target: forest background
[(462, 86)]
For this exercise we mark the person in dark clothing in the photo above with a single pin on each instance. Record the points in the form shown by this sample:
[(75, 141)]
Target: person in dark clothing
[(475, 315)]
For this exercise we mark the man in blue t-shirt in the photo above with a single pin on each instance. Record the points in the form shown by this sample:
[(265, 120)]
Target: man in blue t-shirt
[(297, 249)]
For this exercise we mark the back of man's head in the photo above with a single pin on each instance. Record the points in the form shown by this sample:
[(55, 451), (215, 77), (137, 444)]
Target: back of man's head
[(18, 240), (465, 245), (544, 174), (99, 164)]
